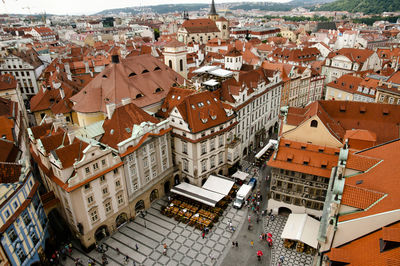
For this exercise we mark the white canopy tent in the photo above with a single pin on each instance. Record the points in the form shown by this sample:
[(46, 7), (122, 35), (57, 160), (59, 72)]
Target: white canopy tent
[(270, 144), (211, 82), (303, 228), (202, 195), (240, 175), (218, 184)]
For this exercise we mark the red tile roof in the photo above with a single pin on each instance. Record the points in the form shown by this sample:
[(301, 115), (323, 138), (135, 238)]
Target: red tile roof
[(297, 156), (296, 55), (359, 197), (202, 111), (7, 82), (142, 78), (366, 251), (339, 116), (9, 152), (174, 97), (360, 163), (391, 234), (9, 172), (347, 83), (119, 127), (387, 170), (353, 54), (202, 25), (71, 153)]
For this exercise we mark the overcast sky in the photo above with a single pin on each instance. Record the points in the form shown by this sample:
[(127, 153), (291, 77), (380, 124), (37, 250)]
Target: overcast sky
[(77, 7)]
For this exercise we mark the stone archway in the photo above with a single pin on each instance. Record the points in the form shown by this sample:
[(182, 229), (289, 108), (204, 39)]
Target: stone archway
[(101, 232), (139, 206), (221, 172), (154, 195), (186, 180), (245, 151), (176, 180), (284, 211), (121, 219), (167, 187)]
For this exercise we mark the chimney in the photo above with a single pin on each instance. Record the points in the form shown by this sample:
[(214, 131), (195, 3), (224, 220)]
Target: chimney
[(110, 108), (219, 41), (86, 66), (126, 101)]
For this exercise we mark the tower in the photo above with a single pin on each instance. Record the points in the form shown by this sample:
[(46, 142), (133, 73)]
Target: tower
[(213, 13), (175, 57)]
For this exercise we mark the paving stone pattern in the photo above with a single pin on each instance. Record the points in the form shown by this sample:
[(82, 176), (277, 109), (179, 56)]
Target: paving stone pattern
[(185, 244), (291, 257)]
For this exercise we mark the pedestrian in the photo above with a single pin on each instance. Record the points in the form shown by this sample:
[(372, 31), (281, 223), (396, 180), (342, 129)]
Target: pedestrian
[(117, 249), (126, 260), (251, 243), (169, 198), (233, 243), (281, 258), (203, 235), (137, 247), (165, 251), (249, 217), (236, 244), (261, 237), (165, 246)]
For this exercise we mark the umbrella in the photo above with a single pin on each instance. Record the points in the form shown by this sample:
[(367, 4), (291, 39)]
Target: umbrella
[(269, 234), (269, 240), (259, 253)]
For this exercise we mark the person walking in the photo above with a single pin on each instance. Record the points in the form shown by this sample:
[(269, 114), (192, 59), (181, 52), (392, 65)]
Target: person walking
[(249, 218), (203, 235), (236, 244), (251, 243), (137, 247), (233, 243)]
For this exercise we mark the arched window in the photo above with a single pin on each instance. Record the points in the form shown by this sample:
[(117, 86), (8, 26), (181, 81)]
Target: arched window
[(138, 96), (170, 63), (139, 206), (314, 123), (224, 27), (181, 65)]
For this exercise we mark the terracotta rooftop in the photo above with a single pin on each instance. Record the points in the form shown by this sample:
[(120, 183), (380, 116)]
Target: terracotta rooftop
[(304, 158), (359, 197), (202, 25), (353, 54), (339, 116), (9, 172), (174, 43), (9, 152), (202, 111), (119, 127), (7, 82), (142, 78), (387, 170), (367, 251), (70, 153), (347, 83), (174, 97)]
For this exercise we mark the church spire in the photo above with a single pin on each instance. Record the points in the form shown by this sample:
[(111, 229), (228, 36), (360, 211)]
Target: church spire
[(213, 12)]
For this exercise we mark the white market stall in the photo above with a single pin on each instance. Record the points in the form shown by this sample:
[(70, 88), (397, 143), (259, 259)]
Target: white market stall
[(303, 228), (240, 175), (218, 184), (199, 194)]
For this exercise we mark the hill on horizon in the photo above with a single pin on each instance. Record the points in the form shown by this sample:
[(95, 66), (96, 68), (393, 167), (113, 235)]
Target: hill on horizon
[(365, 6)]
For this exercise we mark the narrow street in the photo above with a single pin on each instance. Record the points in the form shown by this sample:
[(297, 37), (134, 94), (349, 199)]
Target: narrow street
[(244, 254)]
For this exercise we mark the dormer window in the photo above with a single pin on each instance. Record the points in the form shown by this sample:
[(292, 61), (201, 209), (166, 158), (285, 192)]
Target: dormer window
[(157, 90), (213, 117), (145, 71), (104, 76), (204, 120), (193, 107), (314, 123), (157, 68), (138, 96), (132, 74)]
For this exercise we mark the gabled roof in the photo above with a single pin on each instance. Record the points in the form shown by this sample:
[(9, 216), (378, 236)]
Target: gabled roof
[(7, 82), (202, 111), (387, 171), (9, 152), (143, 78), (353, 54), (71, 153), (119, 127), (174, 97), (312, 159), (359, 197), (347, 83), (9, 172), (201, 25), (339, 116)]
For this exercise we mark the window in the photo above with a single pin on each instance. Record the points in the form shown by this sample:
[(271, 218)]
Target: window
[(154, 170), (7, 213), (147, 178), (221, 140), (95, 166), (117, 183), (120, 199), (115, 171), (135, 186), (87, 170), (212, 161), (93, 216), (145, 162), (212, 144), (90, 199), (152, 158), (314, 123), (381, 98), (181, 65), (87, 186), (203, 148), (203, 166), (391, 100), (103, 162), (184, 147), (105, 190), (26, 218), (107, 207), (102, 178), (12, 235), (15, 204), (185, 165), (21, 254), (33, 236)]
